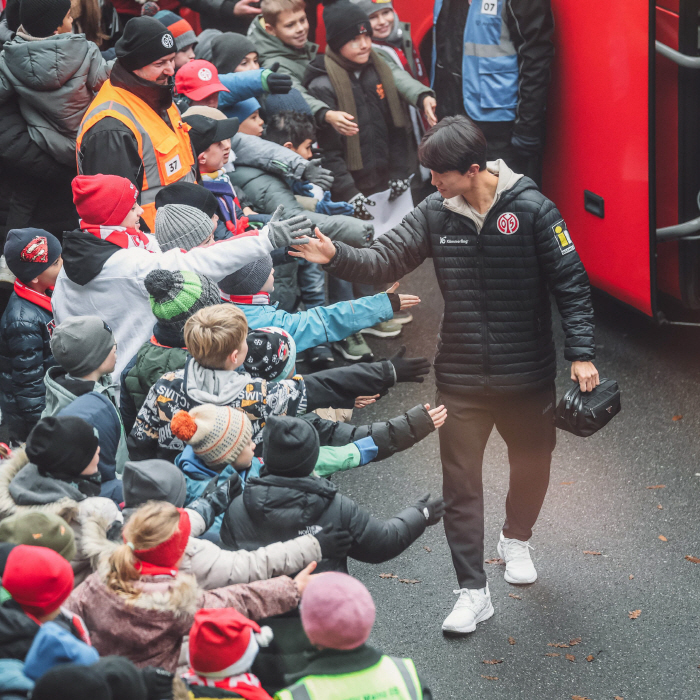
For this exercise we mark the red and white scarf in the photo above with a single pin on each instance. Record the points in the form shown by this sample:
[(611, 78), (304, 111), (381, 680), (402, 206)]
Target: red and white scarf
[(122, 237), (246, 685), (261, 298), (37, 298)]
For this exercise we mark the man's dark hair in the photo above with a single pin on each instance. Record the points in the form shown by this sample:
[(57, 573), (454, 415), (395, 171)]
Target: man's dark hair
[(287, 126), (454, 143)]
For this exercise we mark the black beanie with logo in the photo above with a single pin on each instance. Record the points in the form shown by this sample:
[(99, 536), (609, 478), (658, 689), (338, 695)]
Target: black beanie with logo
[(145, 40), (344, 20)]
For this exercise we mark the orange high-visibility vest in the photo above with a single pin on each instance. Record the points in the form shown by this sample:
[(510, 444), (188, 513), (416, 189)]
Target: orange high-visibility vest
[(166, 153)]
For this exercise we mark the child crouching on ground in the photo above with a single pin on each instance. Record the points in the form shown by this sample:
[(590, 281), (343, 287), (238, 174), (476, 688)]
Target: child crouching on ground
[(140, 606)]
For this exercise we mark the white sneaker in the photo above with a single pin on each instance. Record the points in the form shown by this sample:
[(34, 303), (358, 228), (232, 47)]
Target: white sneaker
[(472, 607), (519, 566)]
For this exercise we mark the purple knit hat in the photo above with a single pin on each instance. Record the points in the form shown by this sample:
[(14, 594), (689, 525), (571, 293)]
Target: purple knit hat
[(337, 611)]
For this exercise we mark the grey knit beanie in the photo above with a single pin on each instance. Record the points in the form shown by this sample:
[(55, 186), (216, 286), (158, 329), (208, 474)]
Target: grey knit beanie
[(81, 344), (372, 6), (181, 226), (249, 279)]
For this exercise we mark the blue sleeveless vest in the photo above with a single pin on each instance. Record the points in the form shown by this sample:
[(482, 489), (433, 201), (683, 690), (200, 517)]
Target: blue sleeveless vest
[(489, 62)]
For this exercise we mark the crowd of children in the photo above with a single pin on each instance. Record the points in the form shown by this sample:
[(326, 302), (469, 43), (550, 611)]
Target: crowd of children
[(168, 523)]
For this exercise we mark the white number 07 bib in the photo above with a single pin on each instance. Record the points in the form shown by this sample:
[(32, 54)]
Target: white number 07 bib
[(489, 7)]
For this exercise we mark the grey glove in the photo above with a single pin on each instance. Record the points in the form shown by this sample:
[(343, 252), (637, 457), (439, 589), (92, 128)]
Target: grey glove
[(432, 510), (293, 231), (314, 172), (216, 498), (359, 201)]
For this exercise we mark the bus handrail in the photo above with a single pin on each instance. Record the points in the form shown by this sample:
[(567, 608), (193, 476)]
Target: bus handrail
[(681, 59), (673, 233)]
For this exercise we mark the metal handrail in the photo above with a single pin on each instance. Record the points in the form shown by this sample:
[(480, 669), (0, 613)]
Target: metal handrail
[(673, 233), (681, 59)]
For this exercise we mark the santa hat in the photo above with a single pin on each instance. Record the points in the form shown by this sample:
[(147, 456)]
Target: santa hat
[(103, 200), (224, 643)]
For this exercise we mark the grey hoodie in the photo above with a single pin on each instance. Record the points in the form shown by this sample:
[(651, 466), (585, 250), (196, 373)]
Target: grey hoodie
[(29, 488), (55, 79)]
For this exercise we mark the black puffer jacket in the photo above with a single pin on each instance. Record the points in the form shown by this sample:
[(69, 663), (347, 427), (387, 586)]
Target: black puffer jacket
[(384, 147), (277, 509), (390, 436), (25, 355), (496, 332)]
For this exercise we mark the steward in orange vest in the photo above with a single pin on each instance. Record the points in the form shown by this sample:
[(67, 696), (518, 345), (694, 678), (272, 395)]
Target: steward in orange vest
[(132, 128)]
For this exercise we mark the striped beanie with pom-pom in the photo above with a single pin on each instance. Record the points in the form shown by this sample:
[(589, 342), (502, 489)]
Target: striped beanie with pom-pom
[(217, 434)]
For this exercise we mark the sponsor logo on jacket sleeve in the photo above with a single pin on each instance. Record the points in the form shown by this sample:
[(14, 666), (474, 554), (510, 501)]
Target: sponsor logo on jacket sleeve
[(562, 237)]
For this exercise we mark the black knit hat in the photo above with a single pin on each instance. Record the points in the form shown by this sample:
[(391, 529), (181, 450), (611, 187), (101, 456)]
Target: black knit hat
[(191, 194), (123, 678), (344, 20), (30, 251), (61, 445), (71, 682), (248, 279), (175, 296), (41, 18), (290, 446), (144, 41), (229, 49)]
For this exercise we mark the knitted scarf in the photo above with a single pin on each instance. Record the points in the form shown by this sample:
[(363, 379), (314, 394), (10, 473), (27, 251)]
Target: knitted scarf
[(24, 292), (339, 69), (246, 685), (122, 237)]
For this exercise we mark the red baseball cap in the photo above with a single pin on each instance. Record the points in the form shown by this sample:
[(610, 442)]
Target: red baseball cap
[(198, 79)]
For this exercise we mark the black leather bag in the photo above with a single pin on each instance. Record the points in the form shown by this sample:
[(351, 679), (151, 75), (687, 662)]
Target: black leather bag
[(586, 413)]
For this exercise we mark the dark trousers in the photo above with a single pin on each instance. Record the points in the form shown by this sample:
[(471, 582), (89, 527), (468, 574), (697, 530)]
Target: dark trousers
[(525, 422)]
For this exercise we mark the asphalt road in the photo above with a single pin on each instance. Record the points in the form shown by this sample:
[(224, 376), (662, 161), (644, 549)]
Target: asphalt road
[(598, 500)]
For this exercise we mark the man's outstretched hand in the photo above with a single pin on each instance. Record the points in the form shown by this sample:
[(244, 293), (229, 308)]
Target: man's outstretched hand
[(318, 250)]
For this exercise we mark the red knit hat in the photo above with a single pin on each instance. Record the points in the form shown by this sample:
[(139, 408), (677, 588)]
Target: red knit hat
[(224, 643), (167, 554), (103, 200), (37, 578)]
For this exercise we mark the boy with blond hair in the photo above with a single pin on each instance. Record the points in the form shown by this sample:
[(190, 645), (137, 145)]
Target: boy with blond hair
[(216, 338)]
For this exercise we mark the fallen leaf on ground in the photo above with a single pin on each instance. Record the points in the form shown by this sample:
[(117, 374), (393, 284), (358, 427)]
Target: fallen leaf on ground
[(570, 657), (660, 507), (427, 549), (511, 640), (497, 560), (590, 657), (617, 697), (493, 662), (567, 483), (552, 653), (588, 551), (489, 678), (558, 645), (634, 614), (574, 642), (632, 575), (388, 576), (517, 597), (662, 538), (695, 560), (658, 486), (409, 580), (579, 697), (677, 418)]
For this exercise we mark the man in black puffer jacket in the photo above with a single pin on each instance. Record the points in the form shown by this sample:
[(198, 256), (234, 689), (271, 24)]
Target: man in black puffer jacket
[(286, 500), (499, 247)]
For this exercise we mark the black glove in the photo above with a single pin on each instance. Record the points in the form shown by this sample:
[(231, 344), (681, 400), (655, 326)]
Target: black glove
[(276, 83), (409, 369), (315, 173), (526, 146), (159, 683), (335, 544), (398, 187), (360, 202), (432, 510), (216, 498)]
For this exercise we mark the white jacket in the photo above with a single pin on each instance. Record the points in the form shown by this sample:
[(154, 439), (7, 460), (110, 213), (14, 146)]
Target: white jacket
[(118, 296)]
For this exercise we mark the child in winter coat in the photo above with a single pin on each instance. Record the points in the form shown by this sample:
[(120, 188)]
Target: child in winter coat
[(337, 614), (106, 261), (37, 582), (174, 297), (57, 473), (288, 500), (223, 645), (34, 257), (54, 73), (139, 605)]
